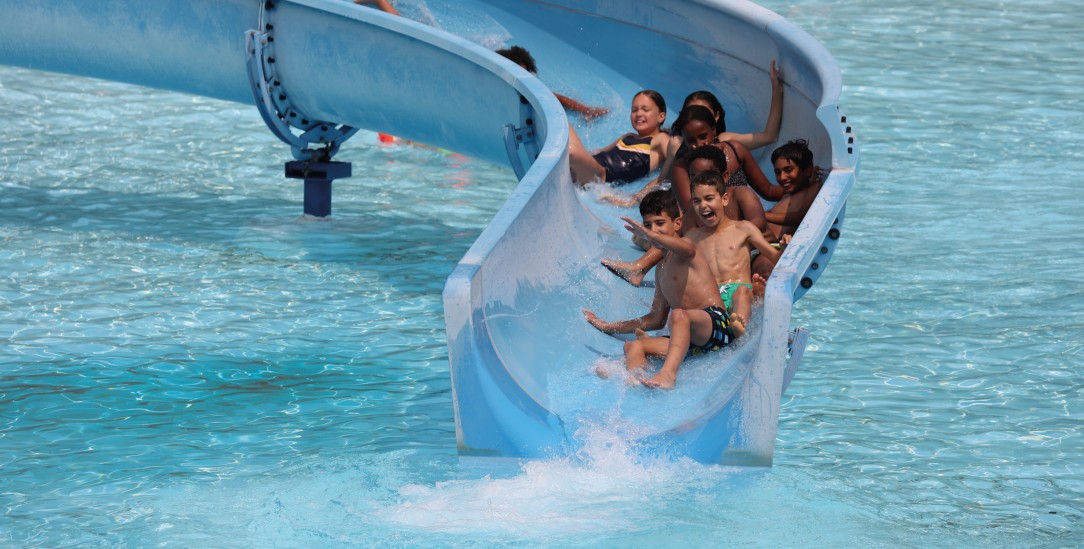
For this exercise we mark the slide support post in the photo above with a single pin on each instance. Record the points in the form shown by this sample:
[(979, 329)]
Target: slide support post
[(313, 165)]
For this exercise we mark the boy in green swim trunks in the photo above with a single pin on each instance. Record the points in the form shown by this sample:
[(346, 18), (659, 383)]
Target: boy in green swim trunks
[(726, 244), (686, 298), (727, 291)]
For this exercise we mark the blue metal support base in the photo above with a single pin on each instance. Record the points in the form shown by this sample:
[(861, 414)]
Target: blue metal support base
[(318, 197), (318, 177)]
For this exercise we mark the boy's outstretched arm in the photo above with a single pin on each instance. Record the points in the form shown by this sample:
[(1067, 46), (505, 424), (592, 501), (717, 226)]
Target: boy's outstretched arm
[(756, 238), (653, 320), (679, 245)]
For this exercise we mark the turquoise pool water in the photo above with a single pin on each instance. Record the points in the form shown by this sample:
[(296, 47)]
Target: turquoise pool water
[(185, 364)]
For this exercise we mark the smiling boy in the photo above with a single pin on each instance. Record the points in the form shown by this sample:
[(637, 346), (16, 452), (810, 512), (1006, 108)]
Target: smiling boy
[(686, 298), (726, 244), (796, 173)]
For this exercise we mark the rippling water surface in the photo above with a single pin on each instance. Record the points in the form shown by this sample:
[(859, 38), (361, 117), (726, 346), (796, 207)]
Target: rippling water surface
[(183, 363)]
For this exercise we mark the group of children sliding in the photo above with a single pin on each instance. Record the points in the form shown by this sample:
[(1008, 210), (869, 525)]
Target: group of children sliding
[(700, 235), (708, 237)]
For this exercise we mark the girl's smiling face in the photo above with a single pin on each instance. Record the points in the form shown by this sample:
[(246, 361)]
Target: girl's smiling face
[(646, 117)]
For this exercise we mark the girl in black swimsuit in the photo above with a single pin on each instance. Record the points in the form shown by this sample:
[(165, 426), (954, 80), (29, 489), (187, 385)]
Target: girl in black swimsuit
[(630, 157)]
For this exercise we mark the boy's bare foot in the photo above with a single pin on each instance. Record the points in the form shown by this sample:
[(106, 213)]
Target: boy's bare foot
[(602, 372), (641, 334), (634, 377), (759, 284), (738, 324), (660, 381), (626, 270)]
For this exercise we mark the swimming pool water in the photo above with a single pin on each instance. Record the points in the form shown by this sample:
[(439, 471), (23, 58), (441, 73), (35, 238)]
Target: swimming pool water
[(184, 363)]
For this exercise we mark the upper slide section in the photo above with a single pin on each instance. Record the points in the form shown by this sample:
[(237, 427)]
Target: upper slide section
[(338, 62)]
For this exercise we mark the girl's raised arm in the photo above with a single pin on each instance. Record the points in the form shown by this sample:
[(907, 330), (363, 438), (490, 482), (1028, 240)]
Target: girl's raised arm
[(771, 126)]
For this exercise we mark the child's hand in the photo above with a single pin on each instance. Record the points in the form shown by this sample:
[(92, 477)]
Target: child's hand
[(594, 320), (637, 229)]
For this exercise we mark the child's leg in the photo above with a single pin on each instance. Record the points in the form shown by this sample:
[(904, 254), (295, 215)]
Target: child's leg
[(686, 326), (634, 271), (741, 310), (637, 351), (585, 168)]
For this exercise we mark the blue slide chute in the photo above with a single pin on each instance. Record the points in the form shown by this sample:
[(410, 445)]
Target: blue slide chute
[(320, 68)]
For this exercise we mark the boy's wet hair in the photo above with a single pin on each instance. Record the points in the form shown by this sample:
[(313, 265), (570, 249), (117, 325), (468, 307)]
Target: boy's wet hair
[(716, 107), (521, 57), (796, 151), (690, 113), (658, 202), (707, 152), (708, 177)]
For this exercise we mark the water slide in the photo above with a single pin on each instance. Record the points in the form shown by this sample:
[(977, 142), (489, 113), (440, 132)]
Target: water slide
[(520, 352)]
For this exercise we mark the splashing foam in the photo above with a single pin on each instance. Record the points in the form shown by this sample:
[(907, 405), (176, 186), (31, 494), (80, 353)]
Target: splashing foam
[(603, 488)]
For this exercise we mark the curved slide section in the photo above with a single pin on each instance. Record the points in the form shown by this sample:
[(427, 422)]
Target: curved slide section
[(516, 337), (338, 62), (520, 351)]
